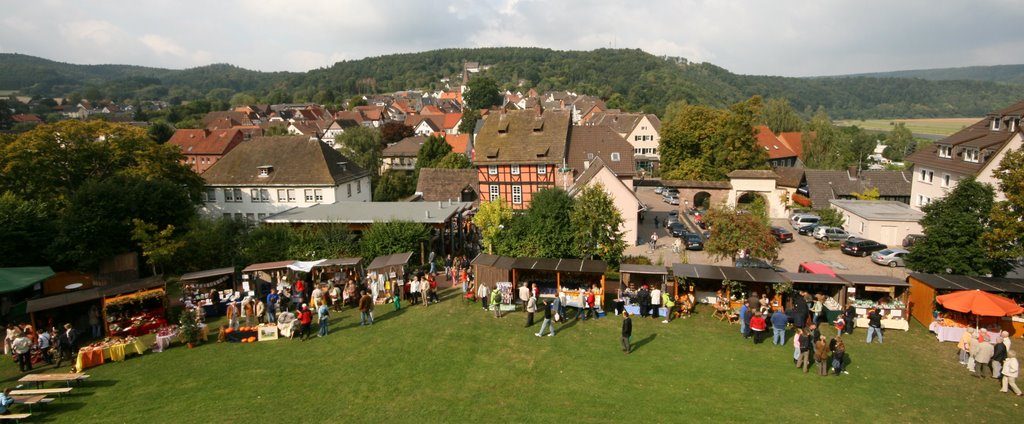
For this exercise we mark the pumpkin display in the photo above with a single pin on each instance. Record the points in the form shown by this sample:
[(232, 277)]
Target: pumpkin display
[(229, 330), (252, 339)]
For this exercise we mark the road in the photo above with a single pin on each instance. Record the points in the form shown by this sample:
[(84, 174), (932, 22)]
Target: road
[(802, 249)]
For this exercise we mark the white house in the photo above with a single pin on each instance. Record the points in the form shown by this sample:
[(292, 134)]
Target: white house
[(884, 221), (625, 199), (642, 131), (267, 175)]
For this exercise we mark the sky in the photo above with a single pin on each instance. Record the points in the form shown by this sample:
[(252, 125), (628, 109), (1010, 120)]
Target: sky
[(760, 37)]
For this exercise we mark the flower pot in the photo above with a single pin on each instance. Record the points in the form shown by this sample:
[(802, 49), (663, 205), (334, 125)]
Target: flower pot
[(190, 345)]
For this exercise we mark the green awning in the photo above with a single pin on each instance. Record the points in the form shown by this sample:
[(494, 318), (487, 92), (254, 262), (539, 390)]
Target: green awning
[(14, 279)]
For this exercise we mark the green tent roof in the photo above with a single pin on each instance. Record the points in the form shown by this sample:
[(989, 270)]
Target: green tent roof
[(14, 279)]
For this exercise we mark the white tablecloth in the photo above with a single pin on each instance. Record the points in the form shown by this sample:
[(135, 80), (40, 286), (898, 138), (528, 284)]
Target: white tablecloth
[(953, 334), (888, 324), (162, 342)]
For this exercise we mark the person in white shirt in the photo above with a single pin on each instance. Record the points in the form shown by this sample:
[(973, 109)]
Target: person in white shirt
[(655, 302)]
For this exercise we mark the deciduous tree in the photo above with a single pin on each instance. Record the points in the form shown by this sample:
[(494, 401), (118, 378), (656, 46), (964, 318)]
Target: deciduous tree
[(733, 231), (393, 186), (454, 160), (388, 238), (1005, 238), (158, 245), (363, 146), (544, 230), (780, 116), (597, 225), (491, 220), (26, 228), (482, 93), (393, 132)]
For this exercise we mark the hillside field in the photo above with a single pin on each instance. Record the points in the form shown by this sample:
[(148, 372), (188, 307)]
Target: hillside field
[(934, 126)]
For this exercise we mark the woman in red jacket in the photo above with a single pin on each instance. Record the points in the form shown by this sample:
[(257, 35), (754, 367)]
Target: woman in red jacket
[(758, 325), (305, 318)]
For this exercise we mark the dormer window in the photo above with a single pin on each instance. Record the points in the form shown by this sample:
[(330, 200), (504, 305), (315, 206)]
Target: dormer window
[(616, 157), (995, 124), (945, 151), (1013, 124), (265, 170), (971, 155)]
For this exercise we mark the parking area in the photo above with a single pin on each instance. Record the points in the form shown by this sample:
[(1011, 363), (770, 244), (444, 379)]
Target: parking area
[(802, 249)]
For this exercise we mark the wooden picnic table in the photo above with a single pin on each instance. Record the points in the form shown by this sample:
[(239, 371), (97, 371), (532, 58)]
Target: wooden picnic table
[(29, 400), (39, 379), (59, 391)]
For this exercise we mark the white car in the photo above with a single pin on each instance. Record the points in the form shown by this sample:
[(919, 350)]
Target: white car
[(830, 233), (802, 219)]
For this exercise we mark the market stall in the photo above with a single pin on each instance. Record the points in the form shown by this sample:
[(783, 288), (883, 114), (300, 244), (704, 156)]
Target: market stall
[(492, 269), (634, 276), (258, 279), (386, 273), (111, 350), (555, 277), (704, 281), (924, 288), (340, 270), (205, 289), (830, 289), (135, 314), (888, 295)]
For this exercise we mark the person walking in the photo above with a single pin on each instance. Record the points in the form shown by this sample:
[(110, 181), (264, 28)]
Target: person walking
[(547, 321), (396, 296), (560, 308), (670, 305), (804, 361), (531, 308), (874, 325), (838, 355), (323, 315), (45, 342), (999, 354), (433, 263), (627, 332), (496, 302), (983, 359), (272, 300), (1011, 370), (22, 348), (67, 344), (365, 309), (779, 321)]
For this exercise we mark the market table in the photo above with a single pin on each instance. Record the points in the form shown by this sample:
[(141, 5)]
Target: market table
[(93, 356), (888, 324), (162, 342), (953, 334)]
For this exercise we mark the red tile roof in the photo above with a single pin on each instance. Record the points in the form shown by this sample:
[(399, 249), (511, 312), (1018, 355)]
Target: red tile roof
[(206, 142), (431, 110), (794, 140), (767, 140), (451, 120), (459, 142)]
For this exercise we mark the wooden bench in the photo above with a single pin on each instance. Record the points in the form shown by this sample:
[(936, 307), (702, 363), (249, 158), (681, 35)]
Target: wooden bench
[(14, 417), (59, 391)]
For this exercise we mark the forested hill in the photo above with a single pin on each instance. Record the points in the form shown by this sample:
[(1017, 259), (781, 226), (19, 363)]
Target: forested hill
[(646, 82), (998, 73)]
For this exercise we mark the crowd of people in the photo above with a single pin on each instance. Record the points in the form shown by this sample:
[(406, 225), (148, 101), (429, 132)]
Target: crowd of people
[(986, 356), (30, 347)]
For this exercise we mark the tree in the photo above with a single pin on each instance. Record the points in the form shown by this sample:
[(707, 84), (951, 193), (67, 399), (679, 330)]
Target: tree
[(739, 149), (211, 243), (780, 116), (362, 145), (393, 186), (393, 132), (1004, 241), (482, 93), (954, 227), (26, 227), (823, 149), (433, 150), (544, 230), (242, 99), (899, 142), (491, 219), (356, 101), (454, 160), (388, 238), (321, 241), (688, 139), (597, 225), (734, 231), (6, 117), (618, 101), (276, 130), (469, 118), (829, 217), (158, 246), (266, 243), (868, 194), (160, 132)]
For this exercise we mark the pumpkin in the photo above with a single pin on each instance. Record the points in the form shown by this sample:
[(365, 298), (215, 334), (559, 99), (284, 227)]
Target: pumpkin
[(252, 339), (229, 330)]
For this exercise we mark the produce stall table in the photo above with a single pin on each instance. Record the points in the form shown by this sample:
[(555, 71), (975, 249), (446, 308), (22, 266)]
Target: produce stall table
[(91, 356), (887, 323), (953, 334)]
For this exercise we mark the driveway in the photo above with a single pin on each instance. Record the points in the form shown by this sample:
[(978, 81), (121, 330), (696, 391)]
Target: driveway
[(802, 249)]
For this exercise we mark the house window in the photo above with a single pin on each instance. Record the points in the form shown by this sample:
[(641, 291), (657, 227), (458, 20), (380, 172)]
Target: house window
[(616, 157), (318, 194), (492, 170), (210, 195), (309, 195), (515, 169), (359, 186), (239, 217), (494, 191), (637, 138), (282, 195), (225, 215), (260, 195), (945, 151), (517, 195), (926, 176), (229, 195), (945, 180), (995, 124), (260, 216), (971, 155), (291, 195), (862, 227), (250, 217), (542, 169), (348, 188), (923, 200), (238, 195)]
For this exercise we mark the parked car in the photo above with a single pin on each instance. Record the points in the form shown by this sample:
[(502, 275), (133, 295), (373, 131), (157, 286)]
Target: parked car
[(892, 257), (673, 214), (677, 229), (672, 191), (830, 233), (801, 219), (860, 247), (674, 200), (911, 239), (808, 230), (671, 220), (757, 263), (782, 235), (693, 241), (659, 190)]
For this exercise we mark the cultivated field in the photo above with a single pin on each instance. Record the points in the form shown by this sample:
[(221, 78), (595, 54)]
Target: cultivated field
[(933, 126)]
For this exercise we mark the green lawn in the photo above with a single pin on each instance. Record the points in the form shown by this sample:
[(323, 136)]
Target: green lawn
[(454, 363), (937, 126)]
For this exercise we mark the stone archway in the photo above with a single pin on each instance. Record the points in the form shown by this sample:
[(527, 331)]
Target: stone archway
[(702, 199), (749, 197)]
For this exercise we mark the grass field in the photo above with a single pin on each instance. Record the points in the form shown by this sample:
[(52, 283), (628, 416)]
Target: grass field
[(935, 126), (454, 363)]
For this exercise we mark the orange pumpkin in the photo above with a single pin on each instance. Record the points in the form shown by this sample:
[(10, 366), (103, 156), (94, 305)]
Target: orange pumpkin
[(229, 330), (252, 339)]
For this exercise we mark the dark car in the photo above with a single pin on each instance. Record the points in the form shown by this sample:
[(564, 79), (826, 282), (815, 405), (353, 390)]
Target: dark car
[(693, 241), (677, 229), (808, 230), (781, 234), (757, 263), (860, 247)]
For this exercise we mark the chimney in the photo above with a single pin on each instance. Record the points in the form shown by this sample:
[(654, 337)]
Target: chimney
[(853, 172)]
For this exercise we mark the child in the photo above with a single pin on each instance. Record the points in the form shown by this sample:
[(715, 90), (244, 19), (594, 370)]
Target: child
[(840, 324), (5, 401)]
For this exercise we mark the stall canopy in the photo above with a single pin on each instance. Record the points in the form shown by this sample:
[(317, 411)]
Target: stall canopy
[(267, 266), (484, 259), (14, 279), (199, 275), (805, 278), (742, 275), (338, 262), (643, 269), (963, 282), (979, 303), (562, 265), (814, 268), (71, 298), (389, 260), (873, 280)]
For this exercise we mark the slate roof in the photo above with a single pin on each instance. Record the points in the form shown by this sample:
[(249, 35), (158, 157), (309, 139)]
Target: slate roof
[(437, 184), (589, 143), (522, 137), (978, 136), (789, 177), (407, 147), (296, 160)]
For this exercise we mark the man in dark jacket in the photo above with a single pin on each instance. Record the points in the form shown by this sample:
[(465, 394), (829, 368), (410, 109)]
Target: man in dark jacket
[(644, 299), (850, 317), (874, 325), (627, 331), (799, 310), (67, 344), (998, 356)]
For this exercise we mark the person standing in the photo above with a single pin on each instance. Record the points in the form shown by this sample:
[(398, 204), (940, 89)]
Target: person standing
[(627, 332), (590, 303), (531, 308), (448, 265), (874, 325), (67, 344), (335, 295), (306, 321), (414, 291), (744, 321), (272, 301), (670, 305), (655, 302), (547, 321), (261, 310), (821, 356), (838, 354), (806, 342), (249, 312), (496, 302), (425, 291), (560, 308), (317, 297), (365, 309), (643, 299), (396, 297), (757, 325), (983, 359), (44, 343), (799, 310), (232, 314), (796, 345), (323, 315), (839, 324), (964, 345), (482, 292), (850, 317), (1011, 370), (22, 348), (779, 321), (94, 322)]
